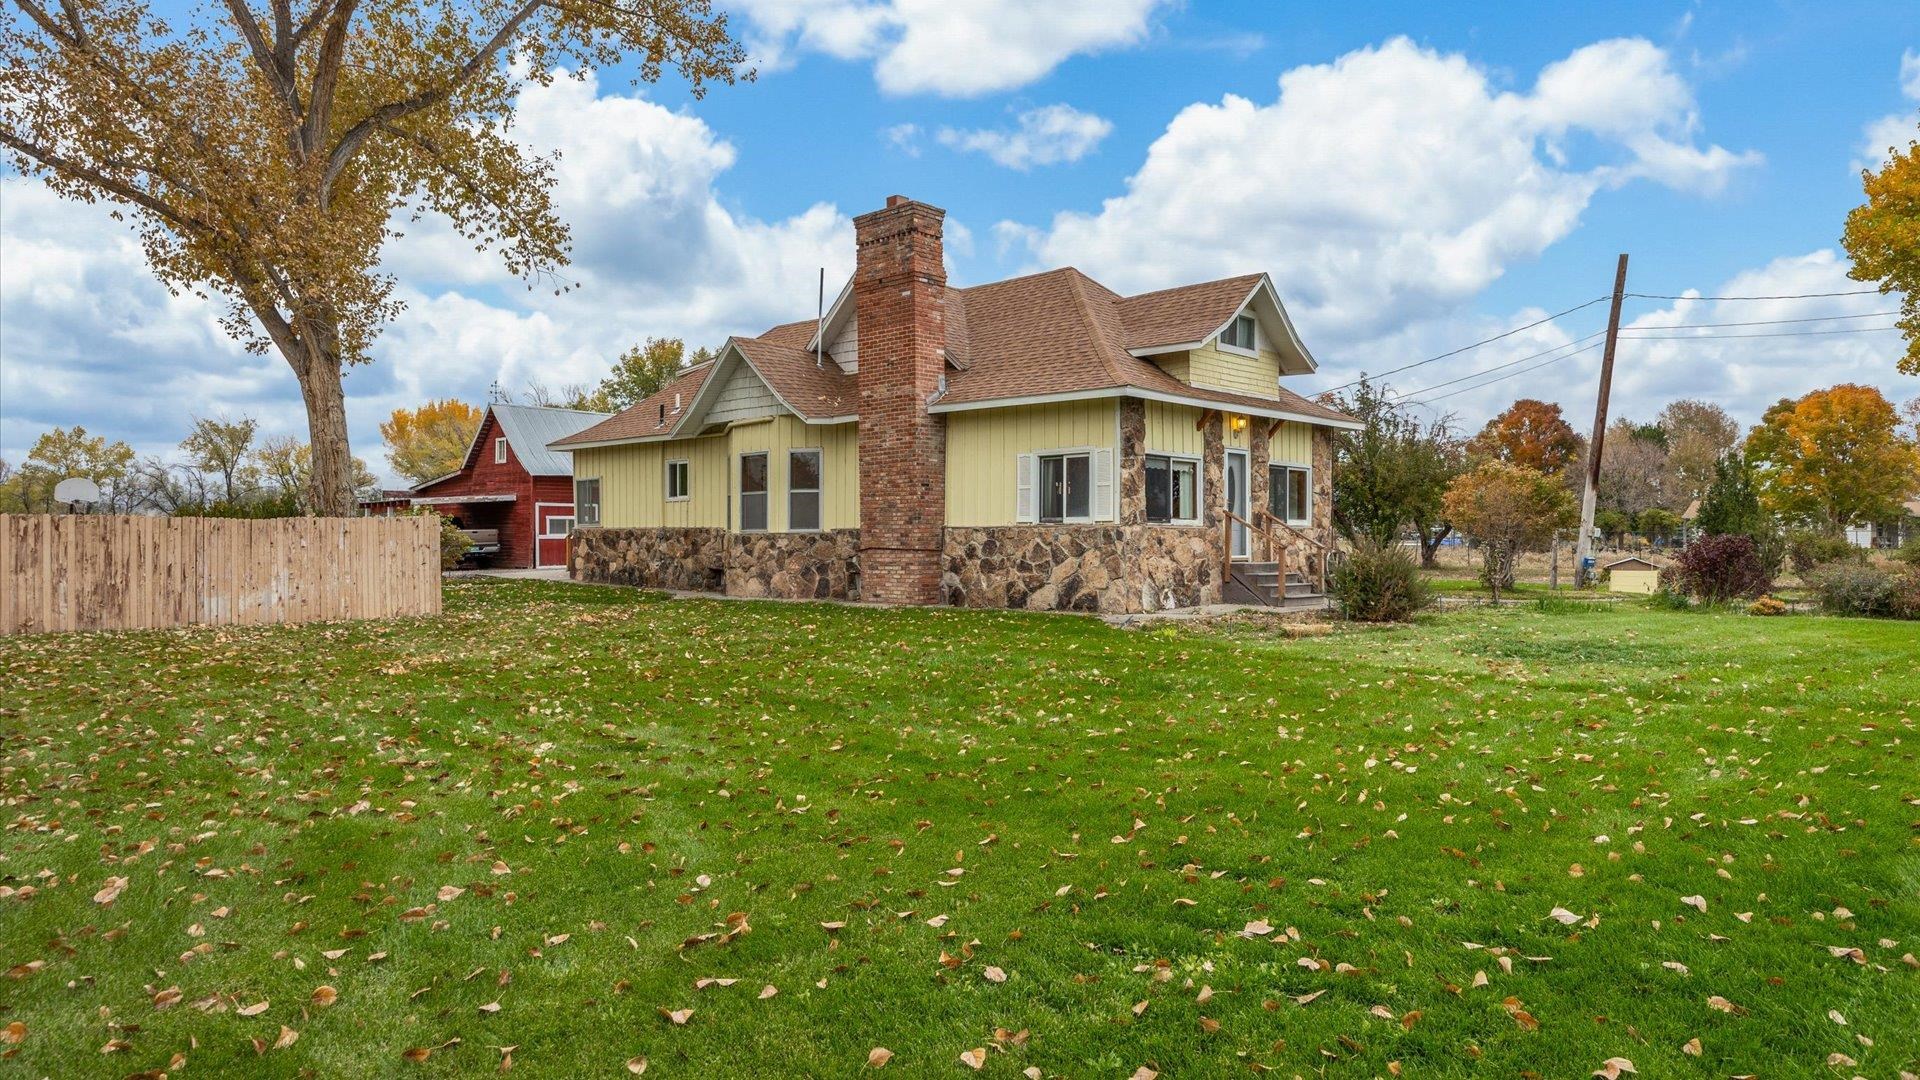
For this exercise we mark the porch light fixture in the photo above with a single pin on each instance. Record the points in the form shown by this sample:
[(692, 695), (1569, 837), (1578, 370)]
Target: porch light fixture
[(1239, 423)]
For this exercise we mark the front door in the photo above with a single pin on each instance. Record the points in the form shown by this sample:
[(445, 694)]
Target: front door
[(552, 523), (1237, 500)]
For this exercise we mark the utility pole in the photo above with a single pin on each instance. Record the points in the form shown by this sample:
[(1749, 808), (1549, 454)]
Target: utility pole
[(1583, 546)]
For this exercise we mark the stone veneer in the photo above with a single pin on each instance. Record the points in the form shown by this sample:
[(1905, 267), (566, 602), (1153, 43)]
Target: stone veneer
[(795, 566), (665, 558), (1111, 569)]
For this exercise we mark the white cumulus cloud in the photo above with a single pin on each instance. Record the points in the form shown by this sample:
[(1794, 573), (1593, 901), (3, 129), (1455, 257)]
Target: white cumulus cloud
[(954, 49), (1390, 184), (1047, 135), (1895, 130)]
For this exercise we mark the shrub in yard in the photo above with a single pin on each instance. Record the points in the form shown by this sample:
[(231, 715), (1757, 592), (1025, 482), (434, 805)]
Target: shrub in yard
[(1379, 583), (1906, 592), (1810, 548), (1853, 588), (1717, 569), (1909, 552), (1767, 605)]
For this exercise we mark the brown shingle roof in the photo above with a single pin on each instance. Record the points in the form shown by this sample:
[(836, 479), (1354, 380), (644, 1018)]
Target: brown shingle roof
[(651, 416), (815, 391), (1185, 314), (1056, 332)]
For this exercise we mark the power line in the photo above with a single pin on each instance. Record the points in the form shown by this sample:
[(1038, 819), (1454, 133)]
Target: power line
[(1509, 375), (1785, 296), (1464, 348), (1774, 333), (1499, 367), (1766, 322)]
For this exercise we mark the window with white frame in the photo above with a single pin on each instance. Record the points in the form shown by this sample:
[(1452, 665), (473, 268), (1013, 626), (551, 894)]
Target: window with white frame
[(1242, 333), (1290, 493), (1173, 490), (679, 474), (753, 492), (1066, 487), (803, 490), (499, 451), (558, 527), (586, 501)]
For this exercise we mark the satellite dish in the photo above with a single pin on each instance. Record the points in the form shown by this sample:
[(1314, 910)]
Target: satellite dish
[(76, 489)]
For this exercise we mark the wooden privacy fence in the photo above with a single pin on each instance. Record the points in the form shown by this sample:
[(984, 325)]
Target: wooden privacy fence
[(88, 572)]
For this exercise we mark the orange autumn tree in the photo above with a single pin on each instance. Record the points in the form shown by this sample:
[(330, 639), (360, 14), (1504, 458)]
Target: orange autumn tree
[(1883, 237), (430, 441), (1508, 509), (1836, 457), (1531, 434), (265, 150)]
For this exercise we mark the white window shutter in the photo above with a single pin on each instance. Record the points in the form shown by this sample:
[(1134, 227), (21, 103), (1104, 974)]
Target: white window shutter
[(1024, 510), (1103, 485)]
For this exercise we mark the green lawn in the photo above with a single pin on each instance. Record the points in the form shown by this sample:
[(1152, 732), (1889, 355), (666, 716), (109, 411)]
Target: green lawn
[(1083, 849)]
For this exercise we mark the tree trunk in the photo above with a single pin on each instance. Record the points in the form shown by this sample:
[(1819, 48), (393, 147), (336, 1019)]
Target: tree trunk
[(1430, 545), (330, 483)]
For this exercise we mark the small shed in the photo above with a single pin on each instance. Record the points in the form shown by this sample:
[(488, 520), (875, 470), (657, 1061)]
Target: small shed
[(1633, 574)]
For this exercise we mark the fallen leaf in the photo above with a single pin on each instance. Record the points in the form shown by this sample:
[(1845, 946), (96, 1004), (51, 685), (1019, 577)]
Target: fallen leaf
[(1563, 916), (637, 1064), (994, 975), (13, 1034), (879, 1056), (111, 891), (1611, 1068), (975, 1058), (768, 991), (678, 1016), (324, 996), (1691, 1048), (1143, 1073), (418, 1054), (1699, 902), (490, 1008), (287, 1038), (252, 1010), (450, 892), (1725, 1006)]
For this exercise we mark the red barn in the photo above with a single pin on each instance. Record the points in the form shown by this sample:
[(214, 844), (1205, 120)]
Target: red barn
[(513, 486)]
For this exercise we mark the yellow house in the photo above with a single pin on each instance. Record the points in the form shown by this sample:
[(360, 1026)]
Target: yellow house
[(1041, 442), (1633, 575)]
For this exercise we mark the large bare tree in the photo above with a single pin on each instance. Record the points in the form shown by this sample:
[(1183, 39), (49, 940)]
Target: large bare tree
[(263, 153)]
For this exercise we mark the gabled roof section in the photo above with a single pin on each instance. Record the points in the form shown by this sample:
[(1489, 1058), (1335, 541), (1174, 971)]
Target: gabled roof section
[(817, 392), (528, 429), (841, 313), (1173, 320), (652, 417)]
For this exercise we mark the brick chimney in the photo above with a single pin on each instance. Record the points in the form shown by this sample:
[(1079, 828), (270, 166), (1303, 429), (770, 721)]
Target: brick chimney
[(899, 299)]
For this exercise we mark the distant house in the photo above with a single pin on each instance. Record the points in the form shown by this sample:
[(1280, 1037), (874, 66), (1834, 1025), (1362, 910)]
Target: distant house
[(1633, 575), (1041, 443), (1890, 533), (511, 493)]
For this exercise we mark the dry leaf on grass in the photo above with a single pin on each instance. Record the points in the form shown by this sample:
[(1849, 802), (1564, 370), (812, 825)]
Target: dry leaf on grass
[(324, 996), (1611, 1068), (975, 1058), (994, 975), (111, 891), (878, 1057), (637, 1064)]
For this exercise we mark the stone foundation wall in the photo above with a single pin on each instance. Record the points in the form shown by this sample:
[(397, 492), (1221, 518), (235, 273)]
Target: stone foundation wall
[(687, 559), (794, 566), (1110, 569)]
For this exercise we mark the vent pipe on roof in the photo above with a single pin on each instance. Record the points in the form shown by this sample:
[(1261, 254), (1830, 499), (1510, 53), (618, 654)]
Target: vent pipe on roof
[(820, 323)]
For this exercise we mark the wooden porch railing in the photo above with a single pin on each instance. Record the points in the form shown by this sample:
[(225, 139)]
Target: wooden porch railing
[(1276, 550)]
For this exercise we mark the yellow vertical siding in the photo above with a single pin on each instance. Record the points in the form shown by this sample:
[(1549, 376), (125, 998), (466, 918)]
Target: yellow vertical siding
[(1239, 439), (1257, 375), (983, 449), (839, 445), (1293, 443), (633, 477), (1171, 430)]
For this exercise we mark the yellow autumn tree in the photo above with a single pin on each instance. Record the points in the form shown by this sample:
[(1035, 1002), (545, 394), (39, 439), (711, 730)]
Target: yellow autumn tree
[(1836, 457), (431, 440), (1883, 236), (263, 150)]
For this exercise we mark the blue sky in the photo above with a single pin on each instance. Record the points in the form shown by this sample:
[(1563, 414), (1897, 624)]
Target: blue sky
[(1414, 176)]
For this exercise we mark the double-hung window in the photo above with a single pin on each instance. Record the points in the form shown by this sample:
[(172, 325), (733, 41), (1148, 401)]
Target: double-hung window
[(803, 490), (1173, 489), (678, 476), (1066, 487), (586, 501), (1241, 333), (1290, 493), (499, 451), (753, 492)]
